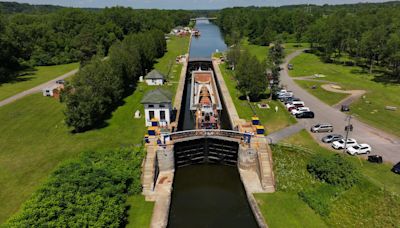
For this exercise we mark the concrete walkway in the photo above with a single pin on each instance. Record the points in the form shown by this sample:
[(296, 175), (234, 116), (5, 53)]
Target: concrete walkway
[(37, 89), (284, 133), (382, 143)]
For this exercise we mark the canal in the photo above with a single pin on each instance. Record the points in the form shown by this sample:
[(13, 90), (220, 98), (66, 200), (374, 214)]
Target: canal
[(207, 195)]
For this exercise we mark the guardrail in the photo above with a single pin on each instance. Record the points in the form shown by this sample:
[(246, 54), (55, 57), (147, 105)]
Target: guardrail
[(206, 133)]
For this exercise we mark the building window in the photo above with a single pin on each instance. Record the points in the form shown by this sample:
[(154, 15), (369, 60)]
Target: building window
[(162, 106), (151, 106), (151, 114), (162, 115)]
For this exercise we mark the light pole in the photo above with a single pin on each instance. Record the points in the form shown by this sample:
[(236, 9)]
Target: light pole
[(347, 129)]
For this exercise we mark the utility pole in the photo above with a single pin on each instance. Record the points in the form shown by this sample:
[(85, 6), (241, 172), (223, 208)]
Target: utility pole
[(347, 129)]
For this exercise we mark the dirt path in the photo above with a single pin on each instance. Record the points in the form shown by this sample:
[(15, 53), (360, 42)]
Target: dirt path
[(354, 95)]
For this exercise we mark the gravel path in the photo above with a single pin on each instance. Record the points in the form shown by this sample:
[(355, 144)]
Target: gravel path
[(382, 143)]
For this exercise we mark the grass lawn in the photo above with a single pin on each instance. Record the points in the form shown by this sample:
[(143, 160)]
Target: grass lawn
[(41, 75), (371, 109), (272, 121), (283, 209), (373, 202), (261, 52), (140, 212), (328, 97), (35, 140)]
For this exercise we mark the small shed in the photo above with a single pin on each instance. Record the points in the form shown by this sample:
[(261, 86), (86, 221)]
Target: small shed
[(154, 78), (157, 107)]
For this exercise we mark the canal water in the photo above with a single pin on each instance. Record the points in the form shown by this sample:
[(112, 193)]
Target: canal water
[(208, 195)]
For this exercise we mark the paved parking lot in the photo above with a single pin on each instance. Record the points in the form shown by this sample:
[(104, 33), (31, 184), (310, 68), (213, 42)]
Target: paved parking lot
[(381, 142)]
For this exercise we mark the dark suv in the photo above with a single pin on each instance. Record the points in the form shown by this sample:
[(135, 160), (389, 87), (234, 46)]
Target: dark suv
[(305, 115), (396, 168)]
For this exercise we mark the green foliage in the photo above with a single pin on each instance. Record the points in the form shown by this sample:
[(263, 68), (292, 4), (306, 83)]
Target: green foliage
[(100, 85), (320, 198), (335, 170), (250, 74), (369, 33), (41, 38), (89, 191)]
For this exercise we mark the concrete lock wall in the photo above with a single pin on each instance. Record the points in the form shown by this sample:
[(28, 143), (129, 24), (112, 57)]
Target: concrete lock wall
[(165, 157), (247, 158)]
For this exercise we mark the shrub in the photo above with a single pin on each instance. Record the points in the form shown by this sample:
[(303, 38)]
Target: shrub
[(335, 170), (320, 199), (90, 191)]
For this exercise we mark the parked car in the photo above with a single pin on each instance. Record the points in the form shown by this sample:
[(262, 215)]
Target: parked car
[(340, 143), (345, 108), (322, 128), (375, 159), (299, 110), (295, 103), (289, 100), (290, 66), (285, 95), (332, 138), (61, 82), (396, 168), (309, 114), (359, 149)]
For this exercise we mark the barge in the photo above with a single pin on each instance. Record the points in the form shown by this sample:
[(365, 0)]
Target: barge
[(205, 103)]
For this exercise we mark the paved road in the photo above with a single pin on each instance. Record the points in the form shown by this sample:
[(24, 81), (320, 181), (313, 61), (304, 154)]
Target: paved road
[(36, 89), (381, 142)]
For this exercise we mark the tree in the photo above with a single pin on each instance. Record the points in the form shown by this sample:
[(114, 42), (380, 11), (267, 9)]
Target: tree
[(250, 74), (276, 54)]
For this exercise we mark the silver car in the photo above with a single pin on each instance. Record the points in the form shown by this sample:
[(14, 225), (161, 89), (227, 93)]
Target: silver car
[(322, 128)]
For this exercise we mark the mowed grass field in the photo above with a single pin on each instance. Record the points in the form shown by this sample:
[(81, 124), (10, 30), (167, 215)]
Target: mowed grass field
[(371, 109), (373, 202), (272, 121), (261, 52), (35, 140), (330, 98), (34, 78)]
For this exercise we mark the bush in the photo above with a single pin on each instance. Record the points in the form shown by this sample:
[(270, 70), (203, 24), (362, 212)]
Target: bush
[(90, 191), (320, 199), (335, 170)]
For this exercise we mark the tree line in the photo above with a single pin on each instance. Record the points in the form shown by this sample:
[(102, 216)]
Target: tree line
[(73, 35), (101, 84), (89, 191), (368, 33)]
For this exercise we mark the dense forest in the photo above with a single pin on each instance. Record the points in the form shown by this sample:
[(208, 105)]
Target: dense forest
[(368, 33), (70, 35)]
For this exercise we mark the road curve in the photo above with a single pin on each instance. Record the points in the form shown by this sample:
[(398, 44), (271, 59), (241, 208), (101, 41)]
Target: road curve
[(382, 143)]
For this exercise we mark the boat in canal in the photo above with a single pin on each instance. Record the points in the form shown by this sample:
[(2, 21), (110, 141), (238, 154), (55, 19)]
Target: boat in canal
[(205, 102)]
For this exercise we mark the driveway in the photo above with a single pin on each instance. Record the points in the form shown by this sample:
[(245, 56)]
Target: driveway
[(381, 142)]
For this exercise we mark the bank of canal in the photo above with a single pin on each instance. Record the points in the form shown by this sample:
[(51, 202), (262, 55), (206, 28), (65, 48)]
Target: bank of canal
[(207, 195)]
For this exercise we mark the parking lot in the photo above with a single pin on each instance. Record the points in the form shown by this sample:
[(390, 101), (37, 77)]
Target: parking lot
[(382, 143)]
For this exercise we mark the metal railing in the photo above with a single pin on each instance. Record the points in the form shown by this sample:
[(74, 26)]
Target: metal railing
[(206, 133)]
